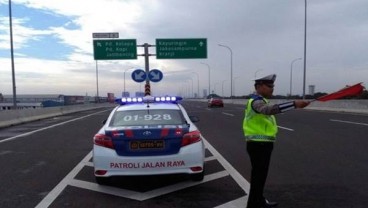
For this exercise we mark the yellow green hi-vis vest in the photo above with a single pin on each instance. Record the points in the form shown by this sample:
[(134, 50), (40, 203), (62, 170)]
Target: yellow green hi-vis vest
[(258, 127)]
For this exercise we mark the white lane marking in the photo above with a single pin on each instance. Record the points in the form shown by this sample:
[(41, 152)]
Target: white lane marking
[(281, 127), (49, 127), (146, 195), (242, 182), (89, 164), (183, 185), (349, 122), (207, 159), (69, 180), (241, 202), (228, 114), (51, 196)]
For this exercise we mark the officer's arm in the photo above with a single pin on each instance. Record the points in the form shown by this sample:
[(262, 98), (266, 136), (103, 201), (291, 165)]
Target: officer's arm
[(260, 106)]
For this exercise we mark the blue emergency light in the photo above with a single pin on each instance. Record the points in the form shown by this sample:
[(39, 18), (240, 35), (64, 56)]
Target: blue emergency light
[(148, 99)]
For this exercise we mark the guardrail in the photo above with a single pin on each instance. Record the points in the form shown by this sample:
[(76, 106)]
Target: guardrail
[(13, 117)]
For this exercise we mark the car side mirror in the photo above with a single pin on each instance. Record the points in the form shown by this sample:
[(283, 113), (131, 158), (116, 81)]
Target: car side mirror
[(194, 119), (104, 121)]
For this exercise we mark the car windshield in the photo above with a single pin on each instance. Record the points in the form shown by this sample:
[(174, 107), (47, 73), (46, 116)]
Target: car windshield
[(147, 117)]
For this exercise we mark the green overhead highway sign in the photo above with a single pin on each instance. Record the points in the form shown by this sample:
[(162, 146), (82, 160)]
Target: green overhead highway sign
[(115, 49), (190, 48)]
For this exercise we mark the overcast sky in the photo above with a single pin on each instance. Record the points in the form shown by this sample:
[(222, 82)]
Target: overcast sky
[(53, 44)]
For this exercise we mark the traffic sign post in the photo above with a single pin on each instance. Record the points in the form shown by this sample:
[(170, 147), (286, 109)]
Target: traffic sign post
[(147, 89), (191, 48), (115, 49)]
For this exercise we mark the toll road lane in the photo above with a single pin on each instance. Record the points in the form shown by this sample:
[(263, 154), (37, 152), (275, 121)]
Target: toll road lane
[(13, 132), (34, 163), (44, 167), (321, 163), (150, 190)]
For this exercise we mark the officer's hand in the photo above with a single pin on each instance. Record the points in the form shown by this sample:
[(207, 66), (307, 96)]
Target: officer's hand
[(301, 103)]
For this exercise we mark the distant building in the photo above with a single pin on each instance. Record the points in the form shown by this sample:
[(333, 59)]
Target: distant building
[(125, 94), (204, 93), (139, 94), (110, 97), (44, 100), (312, 89)]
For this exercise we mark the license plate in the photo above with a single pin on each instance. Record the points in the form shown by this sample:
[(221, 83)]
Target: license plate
[(154, 144)]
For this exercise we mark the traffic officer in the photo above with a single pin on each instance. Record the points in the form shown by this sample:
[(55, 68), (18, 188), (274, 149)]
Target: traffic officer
[(260, 131)]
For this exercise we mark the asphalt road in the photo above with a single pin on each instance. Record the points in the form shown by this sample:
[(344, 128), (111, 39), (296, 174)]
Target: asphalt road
[(319, 161)]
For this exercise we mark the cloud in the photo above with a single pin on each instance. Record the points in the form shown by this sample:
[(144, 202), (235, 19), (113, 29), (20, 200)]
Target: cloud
[(262, 34)]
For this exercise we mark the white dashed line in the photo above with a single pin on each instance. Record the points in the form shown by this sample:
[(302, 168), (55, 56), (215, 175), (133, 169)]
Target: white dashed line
[(281, 127), (228, 114), (349, 122)]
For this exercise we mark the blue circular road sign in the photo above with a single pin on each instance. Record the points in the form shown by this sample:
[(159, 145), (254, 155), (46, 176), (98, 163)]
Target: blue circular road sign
[(139, 75), (155, 75)]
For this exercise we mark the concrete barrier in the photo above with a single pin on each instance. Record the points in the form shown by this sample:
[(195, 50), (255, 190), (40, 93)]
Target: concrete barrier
[(352, 106), (13, 117)]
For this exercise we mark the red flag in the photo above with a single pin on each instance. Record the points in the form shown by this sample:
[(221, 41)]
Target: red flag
[(356, 89)]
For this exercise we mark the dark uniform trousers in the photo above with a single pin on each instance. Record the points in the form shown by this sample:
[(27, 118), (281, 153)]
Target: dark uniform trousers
[(260, 155)]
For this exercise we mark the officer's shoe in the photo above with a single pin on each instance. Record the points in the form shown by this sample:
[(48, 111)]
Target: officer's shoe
[(269, 204)]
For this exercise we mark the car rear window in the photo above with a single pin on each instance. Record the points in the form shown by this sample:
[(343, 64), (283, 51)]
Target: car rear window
[(147, 117)]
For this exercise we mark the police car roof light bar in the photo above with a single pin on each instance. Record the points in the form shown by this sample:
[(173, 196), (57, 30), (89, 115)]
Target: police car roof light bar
[(148, 99)]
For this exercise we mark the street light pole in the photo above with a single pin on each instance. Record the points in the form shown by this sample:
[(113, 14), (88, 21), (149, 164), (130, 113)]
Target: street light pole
[(231, 69), (98, 98), (305, 46), (291, 73), (197, 83), (209, 77), (124, 77), (191, 79), (12, 56), (223, 88)]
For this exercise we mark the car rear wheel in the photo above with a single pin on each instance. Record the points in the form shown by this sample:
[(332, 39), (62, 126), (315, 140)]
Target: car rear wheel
[(103, 180), (197, 176)]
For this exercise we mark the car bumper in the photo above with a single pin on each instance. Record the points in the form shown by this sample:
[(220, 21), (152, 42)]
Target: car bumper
[(217, 104), (188, 157)]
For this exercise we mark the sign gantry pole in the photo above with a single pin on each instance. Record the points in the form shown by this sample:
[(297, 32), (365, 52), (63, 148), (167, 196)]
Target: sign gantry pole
[(146, 65)]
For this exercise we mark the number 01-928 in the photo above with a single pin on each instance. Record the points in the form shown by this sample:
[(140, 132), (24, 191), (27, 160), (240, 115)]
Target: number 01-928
[(156, 117)]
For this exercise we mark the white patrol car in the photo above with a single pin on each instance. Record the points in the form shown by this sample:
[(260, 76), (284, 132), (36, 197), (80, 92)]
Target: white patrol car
[(148, 136)]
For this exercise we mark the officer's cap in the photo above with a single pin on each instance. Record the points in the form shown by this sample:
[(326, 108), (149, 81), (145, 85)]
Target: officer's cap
[(269, 79)]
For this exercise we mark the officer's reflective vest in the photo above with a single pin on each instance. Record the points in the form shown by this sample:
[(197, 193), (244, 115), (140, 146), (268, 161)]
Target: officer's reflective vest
[(258, 127)]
